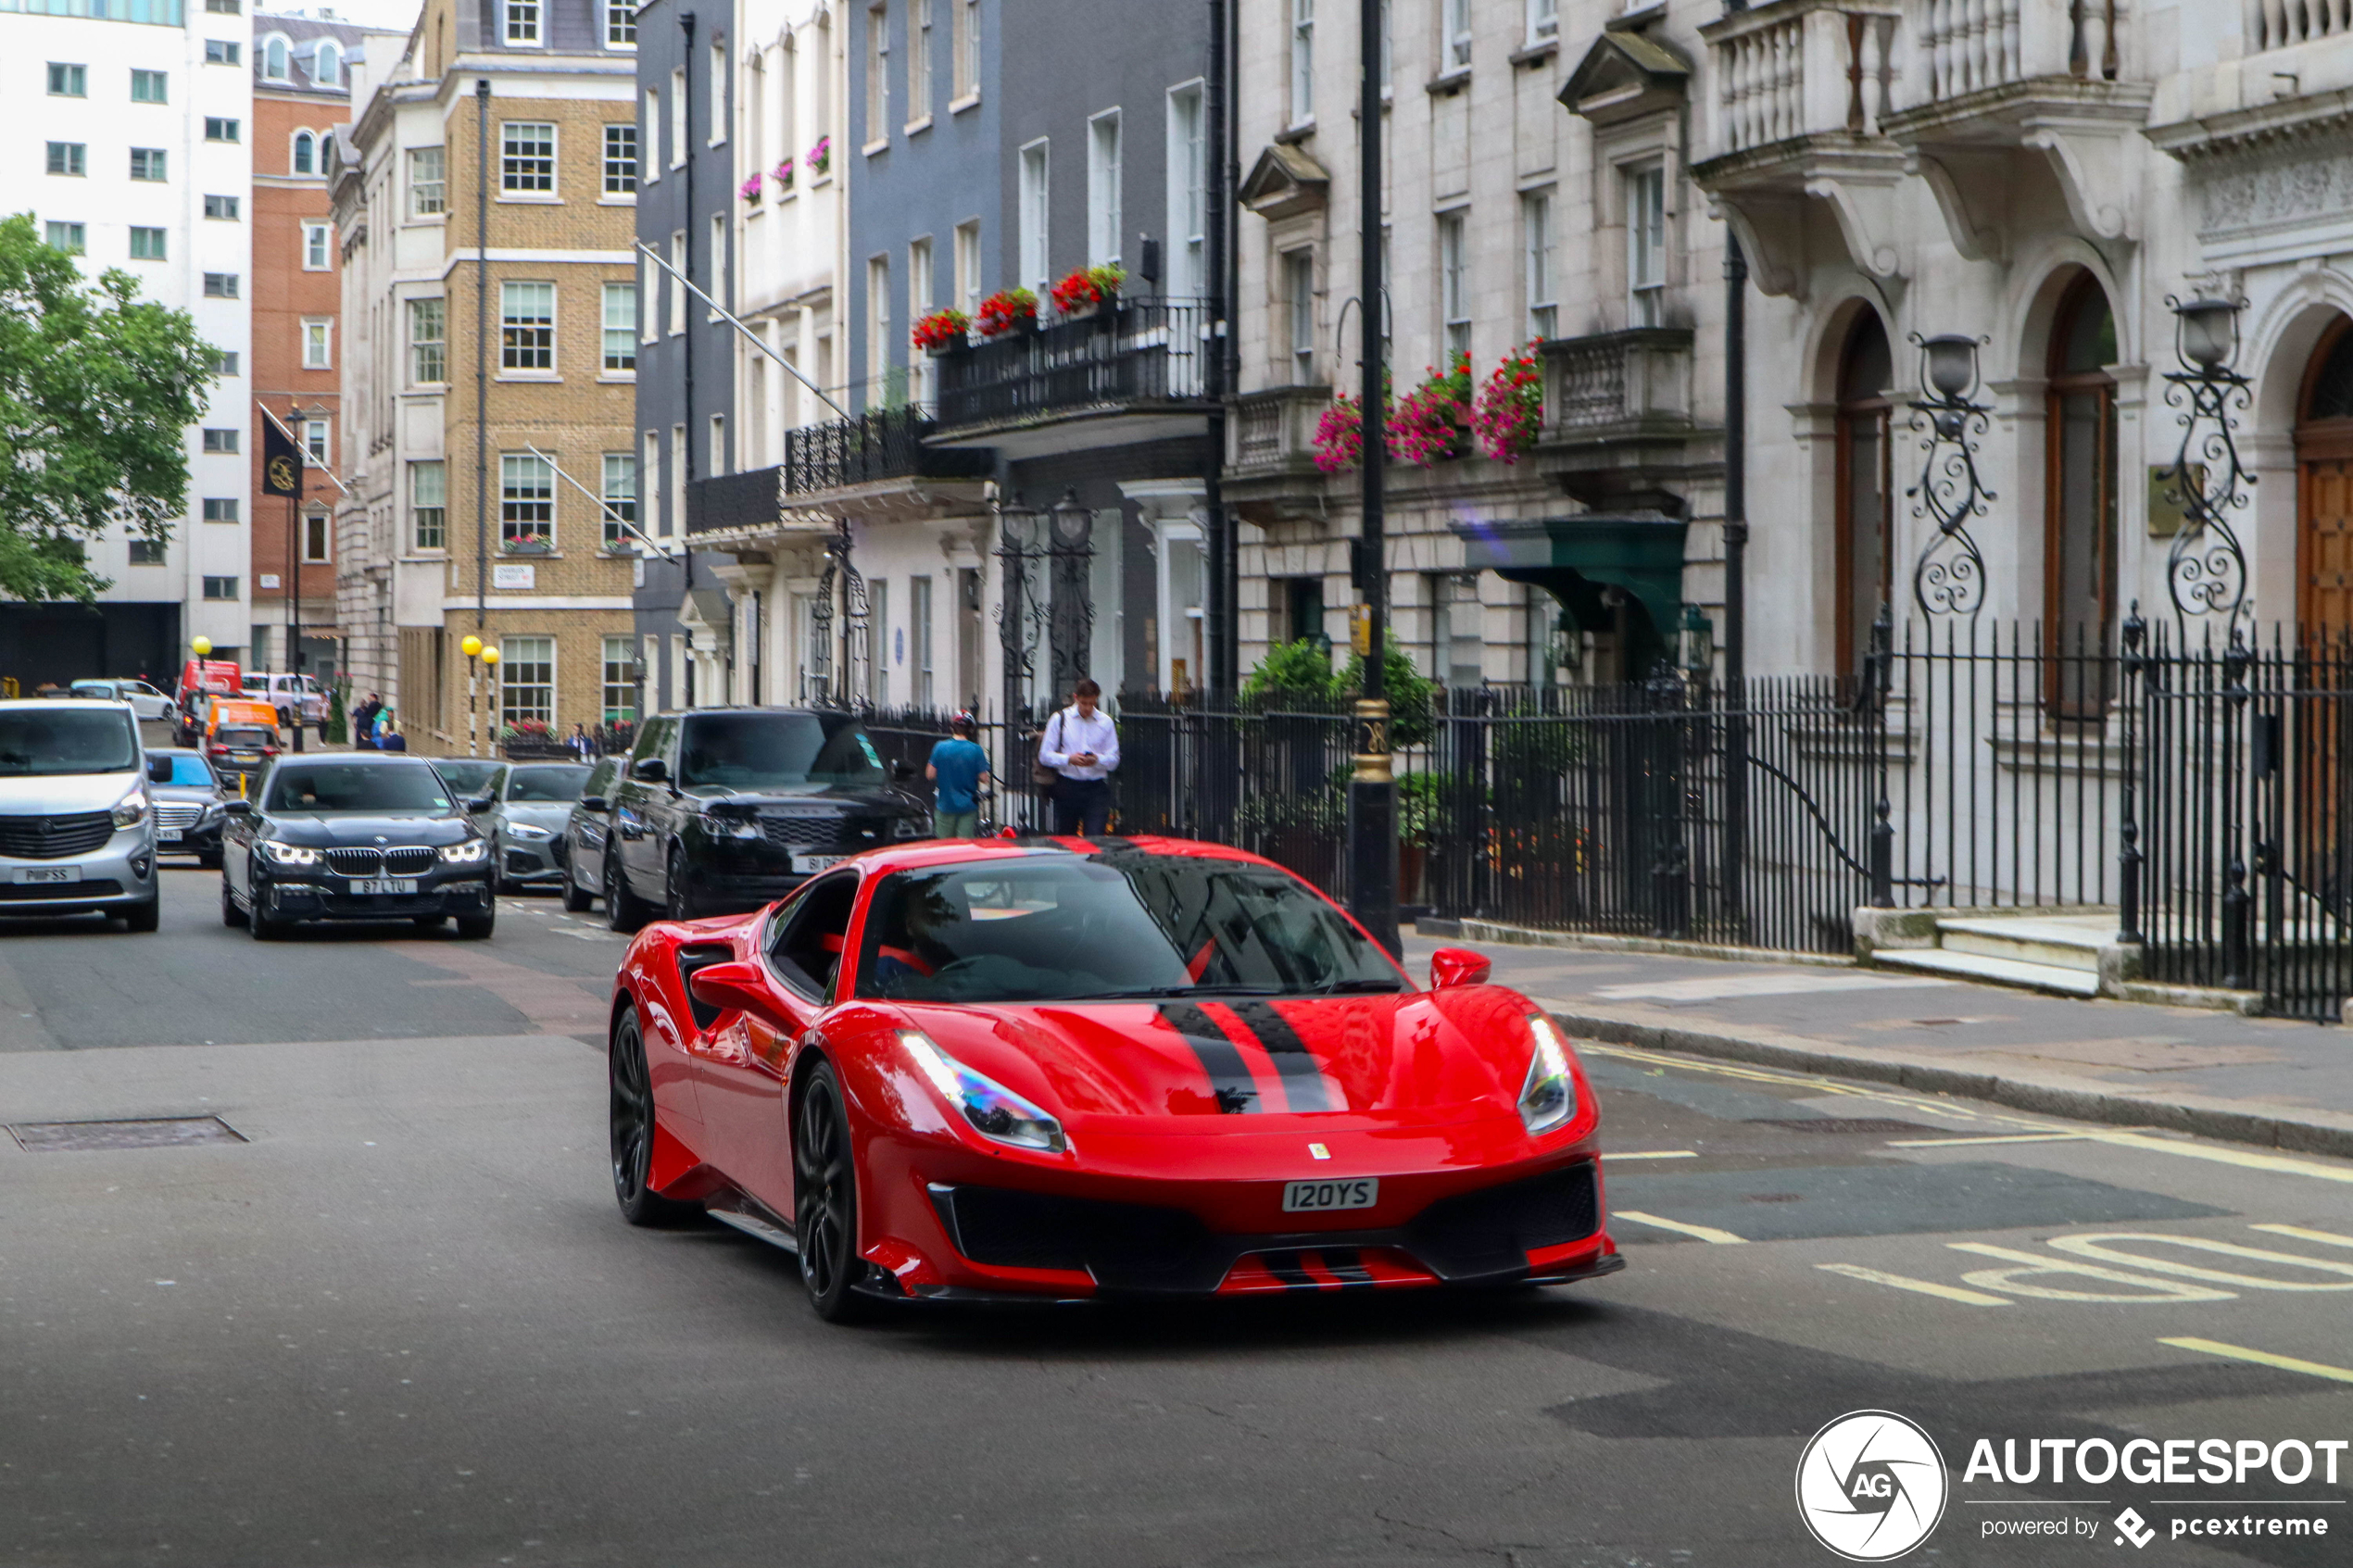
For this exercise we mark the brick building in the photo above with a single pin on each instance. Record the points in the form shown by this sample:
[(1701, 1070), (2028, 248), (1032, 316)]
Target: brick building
[(515, 537), (301, 90)]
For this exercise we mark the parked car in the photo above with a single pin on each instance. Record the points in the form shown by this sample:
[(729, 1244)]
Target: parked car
[(144, 701), (525, 822), (188, 799), (586, 831), (724, 810), (77, 826), (471, 777), (353, 837)]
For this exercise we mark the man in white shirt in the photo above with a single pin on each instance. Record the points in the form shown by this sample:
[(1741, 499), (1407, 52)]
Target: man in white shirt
[(1082, 745)]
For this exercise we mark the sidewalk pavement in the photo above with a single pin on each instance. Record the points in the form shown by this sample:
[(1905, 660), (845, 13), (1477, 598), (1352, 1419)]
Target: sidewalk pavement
[(2270, 1082)]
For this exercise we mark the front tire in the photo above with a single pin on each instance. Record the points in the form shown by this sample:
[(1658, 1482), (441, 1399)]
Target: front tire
[(677, 902), (826, 1200), (576, 897), (263, 928), (623, 910), (631, 1101), (477, 928), (143, 918)]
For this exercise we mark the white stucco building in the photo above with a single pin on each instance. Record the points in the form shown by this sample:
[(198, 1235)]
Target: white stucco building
[(130, 148)]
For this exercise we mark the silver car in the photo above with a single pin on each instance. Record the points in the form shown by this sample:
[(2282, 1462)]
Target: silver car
[(526, 824), (77, 825), (144, 701)]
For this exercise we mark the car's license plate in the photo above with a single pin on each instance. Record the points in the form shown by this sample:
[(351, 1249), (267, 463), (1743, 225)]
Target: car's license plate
[(810, 863), (48, 874), (384, 885), (166, 836), (245, 756), (1359, 1192)]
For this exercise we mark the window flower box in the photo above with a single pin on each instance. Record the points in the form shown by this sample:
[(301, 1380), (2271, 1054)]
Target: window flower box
[(942, 331), (820, 156), (527, 545), (1089, 287), (782, 174), (751, 190), (1509, 410), (1008, 310)]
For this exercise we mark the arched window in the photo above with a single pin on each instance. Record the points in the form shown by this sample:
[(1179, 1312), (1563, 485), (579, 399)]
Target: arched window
[(305, 153), (327, 70), (2324, 486), (2079, 507), (1866, 489), (273, 61)]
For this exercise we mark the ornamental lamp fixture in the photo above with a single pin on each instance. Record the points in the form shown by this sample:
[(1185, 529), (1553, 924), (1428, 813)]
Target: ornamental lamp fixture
[(1018, 526), (2207, 331), (1949, 362), (1074, 525), (202, 647), (1698, 643), (489, 655), (470, 647)]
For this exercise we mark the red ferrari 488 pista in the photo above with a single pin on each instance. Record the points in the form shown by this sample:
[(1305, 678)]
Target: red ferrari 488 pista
[(1063, 1068)]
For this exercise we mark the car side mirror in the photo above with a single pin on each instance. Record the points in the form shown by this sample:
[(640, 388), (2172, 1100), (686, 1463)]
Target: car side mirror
[(482, 803), (649, 769), (159, 769), (1458, 966), (596, 803), (732, 987), (237, 808)]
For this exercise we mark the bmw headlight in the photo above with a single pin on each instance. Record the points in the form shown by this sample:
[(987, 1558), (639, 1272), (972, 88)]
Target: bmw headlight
[(528, 834), (994, 1110), (1548, 1097), (730, 826), (466, 853), (278, 854), (131, 809)]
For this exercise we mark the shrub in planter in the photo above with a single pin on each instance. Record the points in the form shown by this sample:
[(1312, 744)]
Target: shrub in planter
[(1297, 672), (1089, 286), (820, 156), (1510, 407), (1428, 422), (1411, 697), (1006, 309), (940, 330)]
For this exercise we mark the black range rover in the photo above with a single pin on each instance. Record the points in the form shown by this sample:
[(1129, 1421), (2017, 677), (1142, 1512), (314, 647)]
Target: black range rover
[(724, 809)]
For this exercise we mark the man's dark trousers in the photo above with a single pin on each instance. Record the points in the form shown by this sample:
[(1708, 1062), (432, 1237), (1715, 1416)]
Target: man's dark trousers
[(1083, 806)]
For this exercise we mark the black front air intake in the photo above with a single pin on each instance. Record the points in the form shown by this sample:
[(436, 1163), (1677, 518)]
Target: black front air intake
[(1495, 1228), (1124, 1246)]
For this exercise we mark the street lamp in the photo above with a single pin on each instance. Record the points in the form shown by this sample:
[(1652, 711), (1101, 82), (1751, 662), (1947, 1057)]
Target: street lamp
[(202, 647), (490, 671), (1949, 577), (472, 647), (1372, 787), (2207, 570)]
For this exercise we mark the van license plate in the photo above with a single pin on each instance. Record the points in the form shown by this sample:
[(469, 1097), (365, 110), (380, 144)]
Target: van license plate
[(809, 864), (389, 885), (48, 874), (1315, 1197)]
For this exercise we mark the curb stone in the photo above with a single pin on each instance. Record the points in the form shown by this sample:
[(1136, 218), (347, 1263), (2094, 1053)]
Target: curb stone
[(2289, 1129)]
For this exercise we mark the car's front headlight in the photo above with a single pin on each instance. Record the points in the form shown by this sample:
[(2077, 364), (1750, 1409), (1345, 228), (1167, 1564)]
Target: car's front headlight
[(465, 853), (528, 834), (131, 809), (908, 827), (994, 1110), (278, 854), (730, 826), (1548, 1097)]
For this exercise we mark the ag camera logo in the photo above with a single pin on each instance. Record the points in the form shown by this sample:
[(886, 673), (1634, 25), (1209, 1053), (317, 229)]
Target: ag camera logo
[(1872, 1485)]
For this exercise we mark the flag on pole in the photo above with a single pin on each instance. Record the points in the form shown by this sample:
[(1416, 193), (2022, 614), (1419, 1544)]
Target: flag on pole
[(280, 461)]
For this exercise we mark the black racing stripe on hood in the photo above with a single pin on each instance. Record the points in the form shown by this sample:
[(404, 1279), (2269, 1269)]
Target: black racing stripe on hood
[(1229, 1078), (1303, 1076)]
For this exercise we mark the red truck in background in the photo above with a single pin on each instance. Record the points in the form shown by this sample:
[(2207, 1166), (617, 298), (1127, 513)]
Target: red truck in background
[(201, 679)]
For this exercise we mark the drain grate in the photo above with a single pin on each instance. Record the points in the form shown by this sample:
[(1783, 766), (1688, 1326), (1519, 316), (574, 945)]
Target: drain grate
[(1838, 1124), (153, 1132)]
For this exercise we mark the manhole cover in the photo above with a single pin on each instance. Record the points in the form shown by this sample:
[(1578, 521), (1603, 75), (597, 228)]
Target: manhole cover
[(1838, 1124), (155, 1132)]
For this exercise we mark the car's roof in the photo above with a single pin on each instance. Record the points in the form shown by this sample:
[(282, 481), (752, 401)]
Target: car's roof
[(536, 762), (365, 758), (74, 704), (938, 852)]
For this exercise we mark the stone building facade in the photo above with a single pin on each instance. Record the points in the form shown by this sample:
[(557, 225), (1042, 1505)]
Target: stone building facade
[(517, 538)]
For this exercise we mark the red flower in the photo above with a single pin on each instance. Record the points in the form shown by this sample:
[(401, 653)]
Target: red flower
[(1005, 309), (1088, 286), (942, 328)]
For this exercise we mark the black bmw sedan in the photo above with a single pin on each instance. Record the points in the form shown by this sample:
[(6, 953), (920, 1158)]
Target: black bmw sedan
[(353, 837)]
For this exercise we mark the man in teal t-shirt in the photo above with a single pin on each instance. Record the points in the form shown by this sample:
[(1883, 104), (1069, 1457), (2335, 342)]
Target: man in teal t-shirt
[(958, 766)]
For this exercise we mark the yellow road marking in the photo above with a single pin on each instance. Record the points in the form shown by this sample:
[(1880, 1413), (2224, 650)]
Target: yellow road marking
[(2328, 1239), (1925, 1287), (2263, 1357), (1704, 1233), (1652, 1154), (2285, 1164), (1991, 1138)]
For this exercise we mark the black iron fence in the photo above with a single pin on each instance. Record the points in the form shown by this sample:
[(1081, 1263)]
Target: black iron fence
[(878, 445), (1125, 351)]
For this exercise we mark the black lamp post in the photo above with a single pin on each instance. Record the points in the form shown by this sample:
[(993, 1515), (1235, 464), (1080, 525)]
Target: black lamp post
[(1949, 576), (1372, 788), (2207, 569)]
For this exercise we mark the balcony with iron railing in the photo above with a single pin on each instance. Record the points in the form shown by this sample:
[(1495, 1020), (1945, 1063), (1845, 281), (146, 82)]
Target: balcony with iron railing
[(883, 448), (1125, 355)]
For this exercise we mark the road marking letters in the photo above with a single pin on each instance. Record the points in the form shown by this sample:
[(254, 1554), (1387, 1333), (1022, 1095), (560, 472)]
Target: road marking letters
[(1924, 1286)]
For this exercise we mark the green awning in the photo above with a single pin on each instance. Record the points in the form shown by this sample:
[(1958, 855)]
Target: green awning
[(1574, 558)]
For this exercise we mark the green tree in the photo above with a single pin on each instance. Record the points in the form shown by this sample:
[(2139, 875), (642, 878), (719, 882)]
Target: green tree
[(97, 389), (1410, 694), (1292, 672)]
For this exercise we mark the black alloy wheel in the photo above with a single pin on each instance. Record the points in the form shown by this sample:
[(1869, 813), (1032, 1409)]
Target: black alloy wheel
[(826, 1200), (576, 897), (633, 1129), (263, 928), (678, 903), (623, 910)]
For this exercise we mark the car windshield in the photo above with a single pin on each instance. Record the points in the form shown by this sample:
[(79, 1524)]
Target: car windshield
[(250, 737), (186, 769), (471, 779), (775, 751), (551, 785), (356, 786), (38, 741), (93, 688), (1123, 924)]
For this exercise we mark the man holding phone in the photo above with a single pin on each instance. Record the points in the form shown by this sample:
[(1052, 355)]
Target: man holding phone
[(1082, 745)]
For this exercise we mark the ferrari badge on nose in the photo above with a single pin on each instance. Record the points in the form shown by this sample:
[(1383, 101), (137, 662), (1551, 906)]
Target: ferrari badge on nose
[(1319, 1151)]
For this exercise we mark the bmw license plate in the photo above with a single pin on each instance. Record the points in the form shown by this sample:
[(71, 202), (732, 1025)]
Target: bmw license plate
[(384, 885), (810, 864), (1309, 1197), (166, 836), (48, 874)]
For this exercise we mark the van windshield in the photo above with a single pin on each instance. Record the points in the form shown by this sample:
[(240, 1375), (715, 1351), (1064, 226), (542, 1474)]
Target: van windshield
[(775, 751), (38, 742)]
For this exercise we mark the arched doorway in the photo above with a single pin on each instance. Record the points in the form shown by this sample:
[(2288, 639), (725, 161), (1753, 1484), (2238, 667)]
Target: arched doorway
[(2324, 486), (1866, 488), (2079, 522)]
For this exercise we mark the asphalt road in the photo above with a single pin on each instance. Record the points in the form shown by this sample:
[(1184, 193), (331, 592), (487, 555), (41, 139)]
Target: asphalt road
[(402, 1323)]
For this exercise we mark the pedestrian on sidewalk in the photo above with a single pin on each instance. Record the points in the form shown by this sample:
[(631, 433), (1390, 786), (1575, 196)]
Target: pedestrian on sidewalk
[(389, 735), (363, 720), (581, 745), (957, 767), (1082, 746)]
